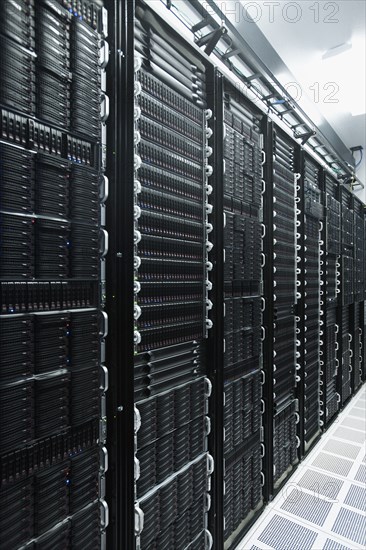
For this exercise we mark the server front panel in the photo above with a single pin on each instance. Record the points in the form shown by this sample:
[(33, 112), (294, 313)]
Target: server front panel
[(171, 263), (311, 302), (52, 326), (242, 274)]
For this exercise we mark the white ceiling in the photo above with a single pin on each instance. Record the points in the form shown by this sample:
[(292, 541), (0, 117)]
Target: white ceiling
[(301, 32)]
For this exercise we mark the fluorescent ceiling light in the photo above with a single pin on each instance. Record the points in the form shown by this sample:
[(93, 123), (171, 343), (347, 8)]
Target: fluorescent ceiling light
[(344, 65)]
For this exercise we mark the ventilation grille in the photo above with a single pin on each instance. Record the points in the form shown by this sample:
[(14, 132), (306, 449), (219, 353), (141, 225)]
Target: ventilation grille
[(360, 413), (350, 525), (321, 484), (354, 423), (361, 474), (332, 464), (356, 497), (349, 435), (334, 545), (342, 449), (284, 534), (309, 507)]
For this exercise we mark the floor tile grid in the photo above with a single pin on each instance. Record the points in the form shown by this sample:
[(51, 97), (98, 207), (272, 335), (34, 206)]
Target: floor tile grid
[(292, 487)]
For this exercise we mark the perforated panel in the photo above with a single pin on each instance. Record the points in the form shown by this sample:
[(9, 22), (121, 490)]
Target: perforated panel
[(334, 545), (350, 435), (359, 406), (309, 507), (350, 525), (283, 534), (361, 474), (334, 464), (356, 497), (342, 449), (360, 413), (321, 484), (354, 423)]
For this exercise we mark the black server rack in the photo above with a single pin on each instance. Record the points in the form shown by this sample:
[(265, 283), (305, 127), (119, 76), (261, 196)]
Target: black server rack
[(276, 288), (281, 295), (310, 306), (52, 247), (363, 307), (357, 308), (169, 487), (330, 268), (345, 308), (238, 285)]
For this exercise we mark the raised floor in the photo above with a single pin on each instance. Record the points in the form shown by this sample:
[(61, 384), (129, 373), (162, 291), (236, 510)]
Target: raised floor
[(323, 505)]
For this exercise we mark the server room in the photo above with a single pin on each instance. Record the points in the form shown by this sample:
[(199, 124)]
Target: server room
[(182, 275)]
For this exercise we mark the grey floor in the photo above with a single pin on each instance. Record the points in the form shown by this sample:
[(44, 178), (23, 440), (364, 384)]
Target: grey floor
[(323, 505)]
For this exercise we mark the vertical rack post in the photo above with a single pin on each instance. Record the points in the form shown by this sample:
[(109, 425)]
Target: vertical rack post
[(216, 341), (120, 292), (267, 130)]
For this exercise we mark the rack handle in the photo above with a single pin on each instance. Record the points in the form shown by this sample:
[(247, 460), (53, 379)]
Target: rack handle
[(139, 520)]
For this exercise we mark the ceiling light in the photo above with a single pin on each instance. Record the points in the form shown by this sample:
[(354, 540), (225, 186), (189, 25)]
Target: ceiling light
[(343, 72)]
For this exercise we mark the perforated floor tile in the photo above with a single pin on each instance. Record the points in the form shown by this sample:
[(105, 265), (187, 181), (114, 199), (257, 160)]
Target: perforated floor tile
[(321, 484), (356, 497), (334, 545), (333, 464), (360, 413), (341, 448), (355, 423), (350, 435), (309, 507), (351, 525), (361, 474), (359, 406), (283, 534)]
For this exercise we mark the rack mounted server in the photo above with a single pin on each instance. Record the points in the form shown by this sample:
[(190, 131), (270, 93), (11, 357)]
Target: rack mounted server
[(235, 294), (238, 283), (169, 272), (311, 302), (281, 296), (234, 285), (53, 242), (331, 236)]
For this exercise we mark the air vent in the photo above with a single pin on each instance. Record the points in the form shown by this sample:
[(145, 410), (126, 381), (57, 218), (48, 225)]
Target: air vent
[(287, 535), (309, 507)]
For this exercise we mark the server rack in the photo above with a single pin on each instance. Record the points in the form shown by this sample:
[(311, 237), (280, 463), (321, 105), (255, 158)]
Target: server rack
[(345, 320), (310, 305), (53, 243), (237, 282), (359, 274), (164, 410), (330, 267), (280, 293), (362, 310)]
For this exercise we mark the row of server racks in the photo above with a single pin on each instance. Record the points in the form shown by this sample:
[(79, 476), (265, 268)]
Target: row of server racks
[(182, 288)]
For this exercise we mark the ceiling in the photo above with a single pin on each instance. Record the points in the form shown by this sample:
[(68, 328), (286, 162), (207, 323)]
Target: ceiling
[(301, 32)]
